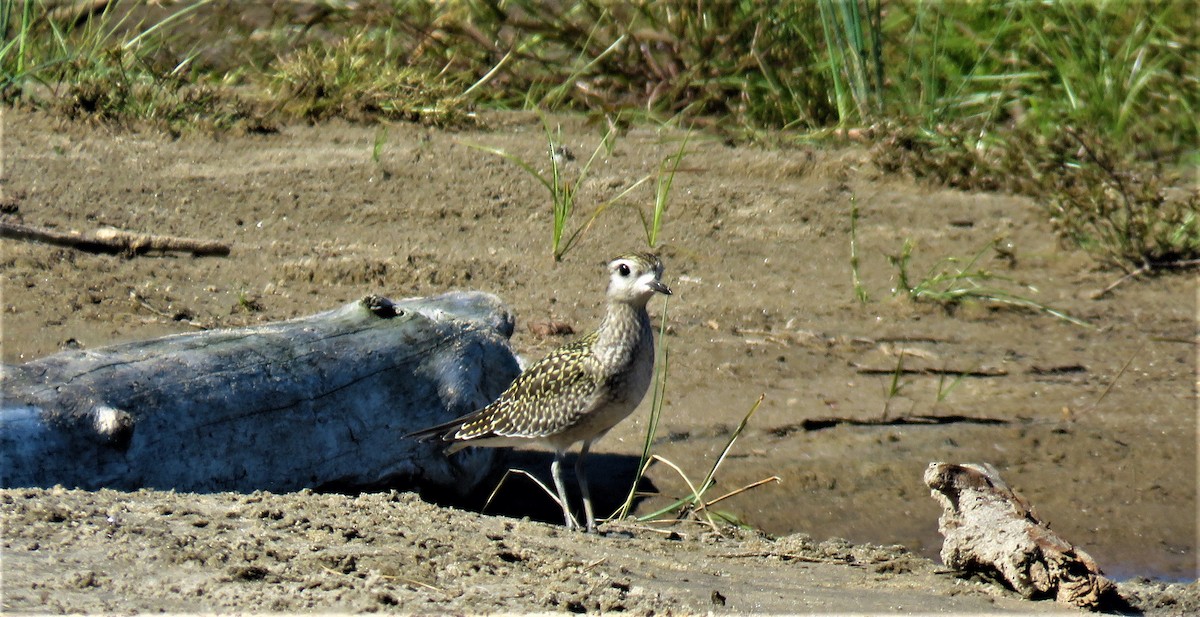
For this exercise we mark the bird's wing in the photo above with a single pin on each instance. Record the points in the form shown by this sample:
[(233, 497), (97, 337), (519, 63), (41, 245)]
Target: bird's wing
[(544, 400)]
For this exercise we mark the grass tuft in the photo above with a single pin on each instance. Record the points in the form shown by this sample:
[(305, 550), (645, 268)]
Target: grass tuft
[(854, 47), (1121, 69), (952, 281), (696, 503), (860, 292), (359, 78), (1124, 212), (116, 87), (563, 190)]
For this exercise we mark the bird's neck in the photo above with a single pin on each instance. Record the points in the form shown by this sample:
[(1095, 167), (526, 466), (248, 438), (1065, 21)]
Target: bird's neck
[(623, 333)]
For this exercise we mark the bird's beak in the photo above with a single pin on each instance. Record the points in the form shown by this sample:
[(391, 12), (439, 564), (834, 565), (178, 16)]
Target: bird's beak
[(660, 287)]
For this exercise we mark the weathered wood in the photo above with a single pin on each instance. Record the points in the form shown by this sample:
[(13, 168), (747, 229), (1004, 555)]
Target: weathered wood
[(320, 401), (989, 527)]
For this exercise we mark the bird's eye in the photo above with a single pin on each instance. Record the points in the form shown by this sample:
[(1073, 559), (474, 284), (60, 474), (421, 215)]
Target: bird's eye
[(623, 269)]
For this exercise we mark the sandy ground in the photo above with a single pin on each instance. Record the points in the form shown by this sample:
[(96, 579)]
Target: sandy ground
[(76, 551), (1098, 425)]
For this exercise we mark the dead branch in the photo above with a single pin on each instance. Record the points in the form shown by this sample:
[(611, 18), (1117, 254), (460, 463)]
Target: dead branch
[(112, 241)]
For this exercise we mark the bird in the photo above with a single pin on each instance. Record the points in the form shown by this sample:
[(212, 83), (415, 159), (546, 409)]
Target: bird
[(579, 391)]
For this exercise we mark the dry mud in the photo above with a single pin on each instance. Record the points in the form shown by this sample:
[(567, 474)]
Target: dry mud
[(1095, 426)]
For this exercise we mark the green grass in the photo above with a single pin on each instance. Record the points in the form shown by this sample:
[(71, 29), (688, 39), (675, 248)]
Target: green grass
[(41, 48), (854, 47), (563, 187), (662, 194), (661, 370), (944, 389), (1122, 213), (860, 292), (564, 179), (1123, 68), (697, 503), (108, 68), (953, 281), (894, 387), (1120, 68), (1136, 216)]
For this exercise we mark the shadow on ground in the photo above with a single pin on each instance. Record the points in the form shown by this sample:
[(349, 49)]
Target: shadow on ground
[(518, 496)]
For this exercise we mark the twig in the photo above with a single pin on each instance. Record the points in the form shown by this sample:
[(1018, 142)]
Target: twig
[(1112, 383), (113, 241), (1104, 292), (402, 579), (783, 556), (1145, 269), (591, 566), (181, 317), (739, 491)]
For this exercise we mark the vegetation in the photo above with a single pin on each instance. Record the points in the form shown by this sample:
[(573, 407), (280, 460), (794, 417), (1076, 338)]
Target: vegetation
[(360, 77), (662, 194), (1125, 212), (696, 504), (1023, 95), (952, 281), (1122, 213), (562, 188), (1125, 69)]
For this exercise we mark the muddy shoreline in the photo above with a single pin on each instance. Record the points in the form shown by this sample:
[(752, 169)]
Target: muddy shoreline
[(1095, 426)]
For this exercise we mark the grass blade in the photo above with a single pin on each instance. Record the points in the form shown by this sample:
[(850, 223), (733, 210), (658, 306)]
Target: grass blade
[(660, 391)]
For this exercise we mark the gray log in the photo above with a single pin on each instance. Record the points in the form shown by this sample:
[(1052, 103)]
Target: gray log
[(320, 402), (991, 528)]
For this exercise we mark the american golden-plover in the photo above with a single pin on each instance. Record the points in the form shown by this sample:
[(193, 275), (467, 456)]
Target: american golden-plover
[(580, 390)]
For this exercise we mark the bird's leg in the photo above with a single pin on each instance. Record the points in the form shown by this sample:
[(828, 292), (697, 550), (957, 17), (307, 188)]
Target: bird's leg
[(581, 478), (556, 471)]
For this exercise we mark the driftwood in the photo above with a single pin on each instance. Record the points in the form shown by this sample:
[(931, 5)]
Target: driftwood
[(990, 528), (321, 401), (112, 241)]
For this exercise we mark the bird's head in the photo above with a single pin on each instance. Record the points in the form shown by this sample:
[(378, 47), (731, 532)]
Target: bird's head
[(635, 277)]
